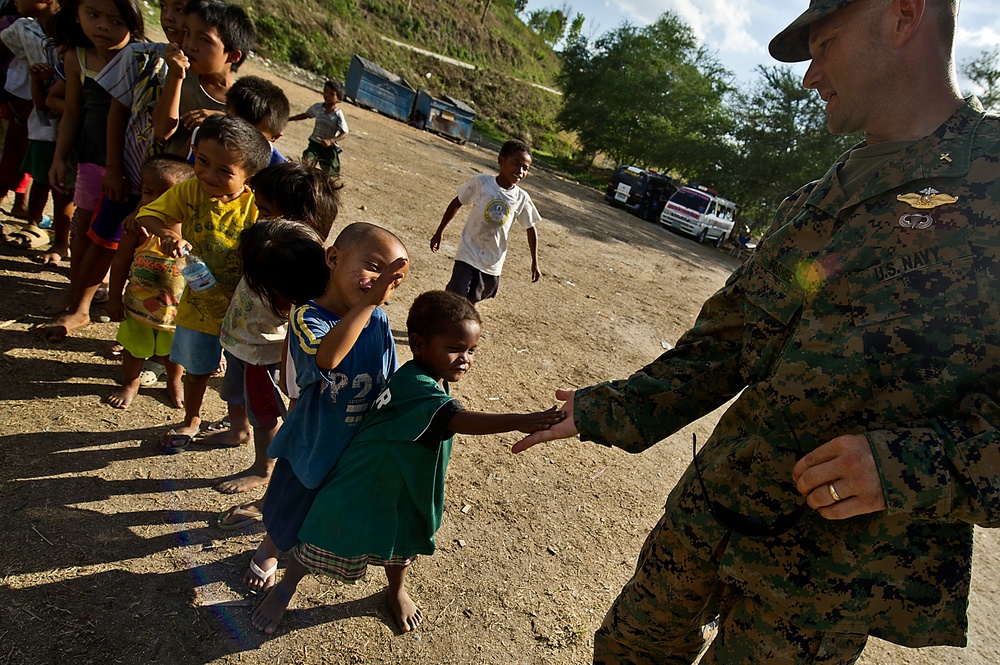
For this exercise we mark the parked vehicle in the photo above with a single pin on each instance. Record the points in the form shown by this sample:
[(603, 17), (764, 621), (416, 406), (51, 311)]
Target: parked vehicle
[(643, 193), (699, 211)]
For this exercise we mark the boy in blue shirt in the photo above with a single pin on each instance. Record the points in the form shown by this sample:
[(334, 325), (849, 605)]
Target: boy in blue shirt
[(344, 353)]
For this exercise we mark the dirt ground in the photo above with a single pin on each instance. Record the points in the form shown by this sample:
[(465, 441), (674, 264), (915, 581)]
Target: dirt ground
[(111, 551)]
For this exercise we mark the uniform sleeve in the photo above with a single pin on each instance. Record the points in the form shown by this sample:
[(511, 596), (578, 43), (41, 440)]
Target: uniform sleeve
[(702, 372), (468, 191), (950, 469)]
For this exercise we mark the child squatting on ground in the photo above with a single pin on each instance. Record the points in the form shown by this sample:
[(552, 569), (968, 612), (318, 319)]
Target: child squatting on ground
[(147, 305), (256, 323), (205, 216), (383, 501), (343, 351), (496, 202)]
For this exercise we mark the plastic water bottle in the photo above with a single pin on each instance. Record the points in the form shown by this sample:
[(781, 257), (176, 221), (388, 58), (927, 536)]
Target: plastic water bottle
[(194, 270), (201, 280)]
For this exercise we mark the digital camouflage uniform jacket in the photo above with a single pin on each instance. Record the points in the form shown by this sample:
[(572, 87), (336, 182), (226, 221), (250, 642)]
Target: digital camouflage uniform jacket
[(854, 316)]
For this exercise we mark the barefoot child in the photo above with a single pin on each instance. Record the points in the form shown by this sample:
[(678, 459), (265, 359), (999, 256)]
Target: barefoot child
[(204, 216), (331, 126), (496, 202), (383, 501), (90, 33), (256, 324), (148, 307), (344, 353)]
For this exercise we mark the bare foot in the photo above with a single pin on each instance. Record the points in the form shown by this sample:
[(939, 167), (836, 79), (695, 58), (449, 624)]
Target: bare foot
[(175, 392), (268, 614), (55, 254), (408, 615), (245, 481), (226, 439), (122, 398), (260, 576), (57, 330)]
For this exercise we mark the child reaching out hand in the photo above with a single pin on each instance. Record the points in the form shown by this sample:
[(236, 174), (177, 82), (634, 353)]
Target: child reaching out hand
[(383, 501)]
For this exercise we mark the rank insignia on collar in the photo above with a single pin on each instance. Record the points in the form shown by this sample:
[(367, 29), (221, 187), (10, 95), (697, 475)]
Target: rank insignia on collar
[(945, 157), (927, 199)]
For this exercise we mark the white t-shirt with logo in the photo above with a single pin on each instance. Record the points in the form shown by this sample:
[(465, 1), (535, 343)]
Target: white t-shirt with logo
[(494, 209)]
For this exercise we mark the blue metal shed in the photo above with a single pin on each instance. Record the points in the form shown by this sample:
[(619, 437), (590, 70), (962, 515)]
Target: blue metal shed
[(371, 86), (445, 115)]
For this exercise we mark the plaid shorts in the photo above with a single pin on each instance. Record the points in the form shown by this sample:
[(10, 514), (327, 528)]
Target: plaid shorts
[(347, 569)]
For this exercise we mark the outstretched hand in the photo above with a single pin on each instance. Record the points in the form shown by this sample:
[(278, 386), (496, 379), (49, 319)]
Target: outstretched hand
[(562, 429), (541, 420)]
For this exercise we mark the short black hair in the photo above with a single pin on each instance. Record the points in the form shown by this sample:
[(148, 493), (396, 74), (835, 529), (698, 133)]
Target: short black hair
[(282, 257), (168, 167), (232, 22), (302, 192), (67, 32), (513, 147), (359, 233), (436, 312), (260, 102), (337, 87), (239, 137)]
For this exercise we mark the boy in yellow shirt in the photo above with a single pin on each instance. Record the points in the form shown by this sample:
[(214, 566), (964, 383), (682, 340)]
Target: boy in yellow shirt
[(203, 217)]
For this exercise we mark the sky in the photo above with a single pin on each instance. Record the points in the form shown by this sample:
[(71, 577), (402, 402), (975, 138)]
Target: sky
[(738, 31)]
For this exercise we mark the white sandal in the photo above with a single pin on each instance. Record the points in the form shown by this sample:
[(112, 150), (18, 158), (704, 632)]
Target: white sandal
[(262, 575)]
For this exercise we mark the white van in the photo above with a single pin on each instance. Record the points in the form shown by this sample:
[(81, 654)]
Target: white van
[(700, 212)]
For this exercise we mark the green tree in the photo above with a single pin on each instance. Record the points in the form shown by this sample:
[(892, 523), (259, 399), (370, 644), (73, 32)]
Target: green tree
[(648, 96), (984, 71), (550, 24), (782, 142)]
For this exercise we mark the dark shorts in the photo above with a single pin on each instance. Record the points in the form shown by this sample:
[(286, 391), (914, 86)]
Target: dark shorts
[(38, 159), (286, 505), (472, 283), (325, 157), (255, 388), (106, 224)]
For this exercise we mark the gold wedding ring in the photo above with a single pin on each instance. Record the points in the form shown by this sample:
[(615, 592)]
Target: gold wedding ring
[(833, 492)]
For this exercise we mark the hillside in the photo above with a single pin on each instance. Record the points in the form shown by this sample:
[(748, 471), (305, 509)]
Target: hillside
[(321, 35)]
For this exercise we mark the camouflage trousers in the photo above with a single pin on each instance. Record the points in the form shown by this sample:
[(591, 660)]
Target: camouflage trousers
[(661, 617)]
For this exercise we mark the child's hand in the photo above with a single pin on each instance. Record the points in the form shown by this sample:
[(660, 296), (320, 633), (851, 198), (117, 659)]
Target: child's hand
[(436, 241), (387, 282), (130, 224), (173, 244), (177, 62), (115, 184), (42, 71), (115, 308), (541, 420), (194, 118), (57, 176)]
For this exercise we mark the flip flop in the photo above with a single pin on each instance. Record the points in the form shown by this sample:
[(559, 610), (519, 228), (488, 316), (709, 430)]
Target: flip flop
[(100, 295), (262, 575), (29, 237), (173, 443), (249, 517)]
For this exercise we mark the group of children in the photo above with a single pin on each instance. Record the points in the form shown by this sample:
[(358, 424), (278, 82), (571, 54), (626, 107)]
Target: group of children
[(216, 251)]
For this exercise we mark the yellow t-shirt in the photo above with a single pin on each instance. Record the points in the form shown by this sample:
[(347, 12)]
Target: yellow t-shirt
[(213, 228)]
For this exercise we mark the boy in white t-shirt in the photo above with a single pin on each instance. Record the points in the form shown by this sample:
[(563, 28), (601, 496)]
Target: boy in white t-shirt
[(496, 202)]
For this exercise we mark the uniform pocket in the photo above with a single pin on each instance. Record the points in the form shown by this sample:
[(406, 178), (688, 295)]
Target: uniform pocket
[(771, 307)]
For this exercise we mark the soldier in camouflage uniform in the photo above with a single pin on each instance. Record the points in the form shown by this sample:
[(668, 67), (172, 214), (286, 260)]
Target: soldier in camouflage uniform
[(838, 492)]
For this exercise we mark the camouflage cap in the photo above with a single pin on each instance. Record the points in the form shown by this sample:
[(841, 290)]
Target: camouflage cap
[(792, 43)]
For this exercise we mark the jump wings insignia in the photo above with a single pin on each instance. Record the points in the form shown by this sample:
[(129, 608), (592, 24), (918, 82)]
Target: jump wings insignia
[(927, 199)]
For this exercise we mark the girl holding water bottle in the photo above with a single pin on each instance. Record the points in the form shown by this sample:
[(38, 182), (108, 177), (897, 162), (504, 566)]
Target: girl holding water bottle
[(203, 218)]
